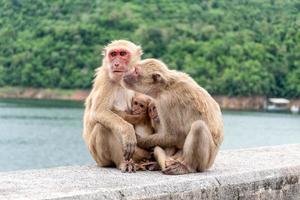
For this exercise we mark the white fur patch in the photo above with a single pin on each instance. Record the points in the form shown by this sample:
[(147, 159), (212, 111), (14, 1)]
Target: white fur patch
[(122, 99)]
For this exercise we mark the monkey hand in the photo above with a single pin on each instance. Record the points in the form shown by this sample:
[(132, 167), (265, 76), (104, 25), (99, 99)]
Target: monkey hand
[(129, 142), (140, 117)]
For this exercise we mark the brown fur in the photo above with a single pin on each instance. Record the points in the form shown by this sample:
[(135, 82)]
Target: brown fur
[(110, 139), (138, 117), (162, 156), (191, 119), (143, 128)]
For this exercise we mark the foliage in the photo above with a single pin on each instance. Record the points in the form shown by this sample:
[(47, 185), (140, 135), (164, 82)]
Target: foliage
[(237, 47)]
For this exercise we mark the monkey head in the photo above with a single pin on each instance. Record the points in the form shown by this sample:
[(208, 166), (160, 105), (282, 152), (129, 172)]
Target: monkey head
[(152, 112), (119, 57), (149, 76), (140, 104)]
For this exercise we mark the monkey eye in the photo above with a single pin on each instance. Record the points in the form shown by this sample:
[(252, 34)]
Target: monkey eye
[(123, 53), (135, 103), (113, 54), (142, 106)]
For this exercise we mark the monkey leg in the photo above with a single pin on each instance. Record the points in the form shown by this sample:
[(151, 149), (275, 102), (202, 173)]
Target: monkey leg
[(117, 154), (106, 149), (164, 156), (98, 146), (199, 151), (160, 156), (177, 154), (170, 151), (141, 154), (145, 160)]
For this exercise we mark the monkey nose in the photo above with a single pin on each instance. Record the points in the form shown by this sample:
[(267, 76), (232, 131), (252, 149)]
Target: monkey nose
[(116, 64)]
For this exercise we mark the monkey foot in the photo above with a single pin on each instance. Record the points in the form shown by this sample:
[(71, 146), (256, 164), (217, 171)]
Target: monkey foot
[(151, 165), (175, 167), (128, 166)]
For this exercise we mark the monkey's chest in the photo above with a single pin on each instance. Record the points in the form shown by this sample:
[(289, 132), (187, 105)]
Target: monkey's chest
[(143, 130), (122, 99)]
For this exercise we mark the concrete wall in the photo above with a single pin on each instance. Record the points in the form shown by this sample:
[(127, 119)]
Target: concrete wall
[(261, 173)]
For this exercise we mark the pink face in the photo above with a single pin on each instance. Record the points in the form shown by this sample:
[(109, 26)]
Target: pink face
[(119, 59), (152, 111)]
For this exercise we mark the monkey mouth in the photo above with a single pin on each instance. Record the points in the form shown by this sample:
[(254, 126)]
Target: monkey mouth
[(138, 113), (118, 71)]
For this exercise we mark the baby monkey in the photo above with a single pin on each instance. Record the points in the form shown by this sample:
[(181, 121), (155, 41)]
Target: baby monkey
[(144, 117), (138, 116), (140, 104)]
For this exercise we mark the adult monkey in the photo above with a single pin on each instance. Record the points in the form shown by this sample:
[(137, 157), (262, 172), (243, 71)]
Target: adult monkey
[(191, 119), (110, 139)]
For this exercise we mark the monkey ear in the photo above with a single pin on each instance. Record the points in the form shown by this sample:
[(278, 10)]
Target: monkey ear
[(158, 78), (104, 51), (139, 51)]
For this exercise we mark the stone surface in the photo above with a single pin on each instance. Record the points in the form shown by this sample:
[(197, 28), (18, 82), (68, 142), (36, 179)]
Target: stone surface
[(260, 173)]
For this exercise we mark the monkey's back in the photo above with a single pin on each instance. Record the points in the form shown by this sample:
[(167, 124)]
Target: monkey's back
[(188, 102)]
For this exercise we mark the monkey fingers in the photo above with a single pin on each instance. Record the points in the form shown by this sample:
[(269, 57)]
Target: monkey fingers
[(151, 166), (129, 166), (141, 167), (129, 150), (176, 168)]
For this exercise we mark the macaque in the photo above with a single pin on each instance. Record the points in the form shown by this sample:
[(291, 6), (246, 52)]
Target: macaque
[(142, 127), (140, 105), (166, 155), (190, 119), (139, 118), (110, 139)]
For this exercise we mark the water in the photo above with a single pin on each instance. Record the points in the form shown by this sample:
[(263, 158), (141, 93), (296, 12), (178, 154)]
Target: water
[(41, 134)]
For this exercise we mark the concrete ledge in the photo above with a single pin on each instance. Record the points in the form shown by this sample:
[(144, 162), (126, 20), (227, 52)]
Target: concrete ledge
[(261, 173)]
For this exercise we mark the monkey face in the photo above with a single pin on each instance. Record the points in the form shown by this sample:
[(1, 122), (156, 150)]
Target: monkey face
[(119, 58), (152, 111), (147, 77), (139, 105)]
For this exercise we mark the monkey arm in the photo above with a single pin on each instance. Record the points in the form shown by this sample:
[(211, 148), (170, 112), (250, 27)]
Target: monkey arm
[(157, 139), (111, 121), (119, 126), (132, 119)]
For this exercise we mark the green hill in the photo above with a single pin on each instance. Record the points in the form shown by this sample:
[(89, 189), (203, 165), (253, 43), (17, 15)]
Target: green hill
[(233, 47)]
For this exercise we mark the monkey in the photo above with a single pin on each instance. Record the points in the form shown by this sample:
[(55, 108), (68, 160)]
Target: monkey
[(191, 119), (166, 155), (110, 139), (143, 127), (139, 118), (140, 105)]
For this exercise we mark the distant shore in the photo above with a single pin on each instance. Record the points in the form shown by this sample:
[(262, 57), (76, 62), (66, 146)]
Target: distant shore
[(43, 93), (232, 103)]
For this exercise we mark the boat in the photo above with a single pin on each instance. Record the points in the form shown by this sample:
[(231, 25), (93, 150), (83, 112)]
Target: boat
[(294, 109), (277, 104)]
